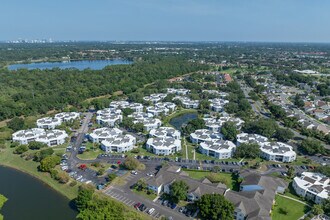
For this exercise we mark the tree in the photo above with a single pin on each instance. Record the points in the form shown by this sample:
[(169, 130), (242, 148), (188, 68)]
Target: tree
[(229, 131), (131, 163), (298, 101), (111, 177), (138, 127), (265, 127), (194, 125), (62, 177), (291, 172), (85, 194), (326, 206), (16, 124), (127, 111), (34, 145), (317, 209), (100, 172), (39, 155), (178, 191), (49, 163), (247, 150), (214, 207), (20, 149), (277, 111), (283, 134), (204, 104), (312, 147)]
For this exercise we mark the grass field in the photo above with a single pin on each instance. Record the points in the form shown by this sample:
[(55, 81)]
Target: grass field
[(7, 158), (145, 195), (294, 209), (227, 178)]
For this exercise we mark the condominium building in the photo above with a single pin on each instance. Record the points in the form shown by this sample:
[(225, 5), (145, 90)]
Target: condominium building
[(217, 104), (119, 143), (251, 138), (202, 135), (48, 122), (187, 102), (217, 148), (163, 132), (154, 98), (67, 116), (163, 146), (100, 134), (278, 151), (49, 137), (312, 186), (178, 91), (109, 117)]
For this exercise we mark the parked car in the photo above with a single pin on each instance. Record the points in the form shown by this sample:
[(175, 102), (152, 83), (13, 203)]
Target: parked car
[(143, 207), (165, 202), (173, 206), (137, 205), (151, 211), (134, 172)]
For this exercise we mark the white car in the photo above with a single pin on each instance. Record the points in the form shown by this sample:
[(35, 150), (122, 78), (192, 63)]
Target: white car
[(151, 211), (150, 174), (134, 172)]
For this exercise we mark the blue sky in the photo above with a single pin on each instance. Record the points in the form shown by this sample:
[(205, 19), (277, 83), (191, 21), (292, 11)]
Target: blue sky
[(175, 20)]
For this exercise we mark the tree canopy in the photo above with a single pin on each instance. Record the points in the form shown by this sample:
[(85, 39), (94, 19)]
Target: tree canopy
[(178, 191), (229, 131), (214, 207)]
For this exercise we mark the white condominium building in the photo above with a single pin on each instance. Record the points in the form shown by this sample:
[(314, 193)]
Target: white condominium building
[(48, 122), (146, 119), (216, 92), (53, 137), (251, 138), (312, 186), (216, 124), (67, 116), (136, 107), (218, 105), (163, 146), (187, 102), (169, 105), (118, 104), (178, 91), (202, 135), (101, 134), (154, 98), (49, 137), (163, 132), (217, 148), (278, 151), (109, 117), (26, 136), (120, 143)]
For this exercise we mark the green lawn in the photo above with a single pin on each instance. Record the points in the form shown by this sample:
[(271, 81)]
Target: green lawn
[(145, 195), (295, 209), (7, 158), (229, 179), (90, 155)]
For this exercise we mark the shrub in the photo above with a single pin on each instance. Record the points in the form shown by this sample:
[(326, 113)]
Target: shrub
[(20, 149)]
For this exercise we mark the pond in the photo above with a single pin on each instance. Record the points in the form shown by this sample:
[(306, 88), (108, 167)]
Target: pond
[(31, 199), (80, 65), (180, 120)]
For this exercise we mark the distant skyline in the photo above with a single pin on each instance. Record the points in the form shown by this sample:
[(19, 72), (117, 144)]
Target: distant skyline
[(166, 20)]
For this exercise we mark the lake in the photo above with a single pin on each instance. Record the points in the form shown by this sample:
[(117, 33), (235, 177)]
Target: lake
[(81, 64), (180, 120), (31, 199)]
